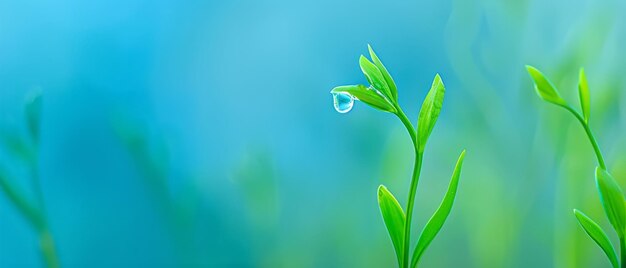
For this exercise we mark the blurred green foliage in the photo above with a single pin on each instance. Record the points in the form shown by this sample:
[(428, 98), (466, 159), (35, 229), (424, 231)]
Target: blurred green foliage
[(234, 157), (27, 150)]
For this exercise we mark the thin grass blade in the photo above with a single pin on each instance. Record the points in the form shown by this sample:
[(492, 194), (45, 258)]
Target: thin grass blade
[(32, 110), (436, 222), (29, 212)]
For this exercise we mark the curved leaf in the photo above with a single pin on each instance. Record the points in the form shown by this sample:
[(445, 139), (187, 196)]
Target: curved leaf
[(583, 93), (29, 212), (17, 146), (370, 97), (394, 218), (612, 200), (438, 219), (430, 111), (597, 234), (544, 88), (374, 76), (392, 85)]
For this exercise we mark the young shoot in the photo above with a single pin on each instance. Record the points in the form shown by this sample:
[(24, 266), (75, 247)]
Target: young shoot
[(611, 196), (27, 150), (382, 94)]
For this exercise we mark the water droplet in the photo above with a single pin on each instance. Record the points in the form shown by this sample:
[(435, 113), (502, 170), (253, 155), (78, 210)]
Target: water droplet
[(343, 102)]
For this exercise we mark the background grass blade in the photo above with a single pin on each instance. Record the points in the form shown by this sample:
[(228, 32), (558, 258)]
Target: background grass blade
[(32, 110), (17, 146), (438, 219), (32, 215), (597, 234), (394, 217)]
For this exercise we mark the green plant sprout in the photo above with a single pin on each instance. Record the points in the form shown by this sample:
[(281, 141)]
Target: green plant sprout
[(28, 152), (151, 156), (382, 94), (611, 195)]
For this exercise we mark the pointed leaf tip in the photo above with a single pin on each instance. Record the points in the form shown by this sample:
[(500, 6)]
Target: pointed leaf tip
[(380, 191), (374, 76), (429, 113), (583, 93), (393, 90), (32, 110), (544, 88)]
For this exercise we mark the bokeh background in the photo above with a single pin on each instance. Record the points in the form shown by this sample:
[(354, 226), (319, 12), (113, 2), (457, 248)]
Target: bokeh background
[(202, 133)]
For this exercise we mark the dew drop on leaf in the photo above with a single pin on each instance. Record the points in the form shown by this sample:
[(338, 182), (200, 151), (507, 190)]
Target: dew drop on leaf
[(343, 102)]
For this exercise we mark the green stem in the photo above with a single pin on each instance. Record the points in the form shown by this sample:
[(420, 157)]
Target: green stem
[(596, 149), (592, 138), (414, 180), (29, 212), (46, 243), (35, 216), (36, 182)]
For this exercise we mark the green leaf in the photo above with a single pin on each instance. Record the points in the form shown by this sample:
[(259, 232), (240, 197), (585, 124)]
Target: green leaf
[(439, 217), (392, 85), (544, 88), (29, 212), (364, 94), (612, 200), (32, 109), (583, 91), (430, 111), (597, 234), (394, 218), (17, 147), (374, 76)]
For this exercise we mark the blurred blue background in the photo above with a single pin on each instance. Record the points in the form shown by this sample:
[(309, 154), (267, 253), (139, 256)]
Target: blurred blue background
[(202, 133)]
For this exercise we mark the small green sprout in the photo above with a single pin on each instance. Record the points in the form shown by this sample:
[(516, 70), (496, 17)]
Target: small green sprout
[(611, 195), (382, 94), (27, 150)]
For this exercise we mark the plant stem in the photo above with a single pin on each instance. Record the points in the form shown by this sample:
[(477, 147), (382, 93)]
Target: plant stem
[(36, 218), (414, 180), (592, 138), (596, 149), (46, 243), (29, 212), (35, 215)]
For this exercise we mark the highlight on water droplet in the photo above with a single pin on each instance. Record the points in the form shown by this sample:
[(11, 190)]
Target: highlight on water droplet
[(343, 102)]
